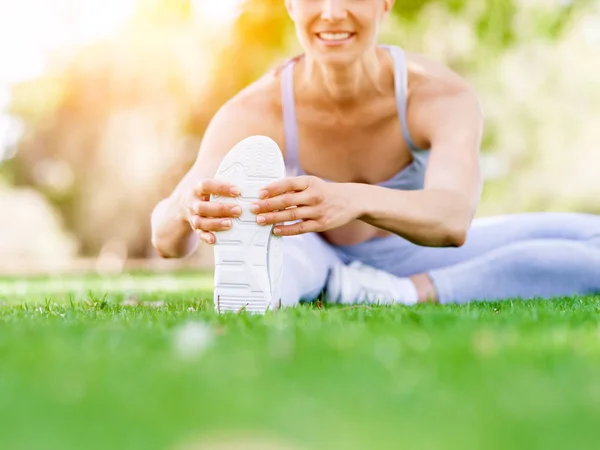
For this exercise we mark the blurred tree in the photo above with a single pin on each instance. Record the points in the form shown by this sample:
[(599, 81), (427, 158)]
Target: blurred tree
[(108, 120)]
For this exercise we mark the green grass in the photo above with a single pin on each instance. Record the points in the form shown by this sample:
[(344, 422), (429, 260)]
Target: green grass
[(79, 370)]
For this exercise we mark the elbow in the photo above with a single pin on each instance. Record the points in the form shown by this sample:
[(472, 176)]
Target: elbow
[(456, 237), (167, 248), (457, 224), (454, 232), (162, 251), (445, 236), (166, 255)]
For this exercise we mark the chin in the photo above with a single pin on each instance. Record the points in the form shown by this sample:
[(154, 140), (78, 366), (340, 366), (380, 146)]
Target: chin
[(337, 57)]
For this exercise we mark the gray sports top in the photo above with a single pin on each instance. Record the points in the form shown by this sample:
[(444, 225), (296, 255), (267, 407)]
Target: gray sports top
[(410, 178)]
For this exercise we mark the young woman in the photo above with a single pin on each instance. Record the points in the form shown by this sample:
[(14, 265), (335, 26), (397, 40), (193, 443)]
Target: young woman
[(381, 148)]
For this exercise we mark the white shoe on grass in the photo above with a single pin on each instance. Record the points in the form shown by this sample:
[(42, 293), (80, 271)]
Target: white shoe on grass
[(359, 283), (248, 256)]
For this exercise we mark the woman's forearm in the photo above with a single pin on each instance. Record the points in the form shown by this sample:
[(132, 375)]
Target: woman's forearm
[(430, 217), (172, 235)]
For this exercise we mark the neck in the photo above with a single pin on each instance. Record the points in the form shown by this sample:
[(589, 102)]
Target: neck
[(344, 84)]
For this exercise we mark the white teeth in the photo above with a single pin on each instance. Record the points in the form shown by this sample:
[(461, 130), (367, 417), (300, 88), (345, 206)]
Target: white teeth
[(334, 36)]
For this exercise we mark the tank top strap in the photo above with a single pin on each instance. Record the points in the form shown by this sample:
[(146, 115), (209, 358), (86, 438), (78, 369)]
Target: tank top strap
[(401, 86), (290, 123)]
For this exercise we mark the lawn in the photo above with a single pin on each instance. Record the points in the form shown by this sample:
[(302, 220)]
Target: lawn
[(144, 363)]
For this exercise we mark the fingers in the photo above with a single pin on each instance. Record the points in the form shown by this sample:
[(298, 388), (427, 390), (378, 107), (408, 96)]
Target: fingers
[(278, 203), (210, 224), (210, 186), (206, 237), (307, 226), (216, 210), (292, 184), (288, 215), (287, 200)]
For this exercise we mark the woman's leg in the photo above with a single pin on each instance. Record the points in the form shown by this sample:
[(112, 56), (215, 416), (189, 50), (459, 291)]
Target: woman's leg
[(529, 255), (543, 268), (402, 258), (307, 263), (540, 268)]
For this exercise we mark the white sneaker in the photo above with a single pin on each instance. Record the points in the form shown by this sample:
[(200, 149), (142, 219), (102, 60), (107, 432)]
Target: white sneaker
[(359, 283), (248, 256)]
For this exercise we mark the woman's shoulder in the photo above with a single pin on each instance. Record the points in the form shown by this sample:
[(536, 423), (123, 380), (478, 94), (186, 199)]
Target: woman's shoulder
[(263, 95), (436, 91), (424, 70), (254, 110), (259, 97), (428, 74)]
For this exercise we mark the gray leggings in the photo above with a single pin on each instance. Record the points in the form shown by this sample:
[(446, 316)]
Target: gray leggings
[(525, 256)]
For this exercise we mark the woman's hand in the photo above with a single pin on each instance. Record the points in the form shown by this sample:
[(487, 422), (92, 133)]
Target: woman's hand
[(317, 205), (205, 216)]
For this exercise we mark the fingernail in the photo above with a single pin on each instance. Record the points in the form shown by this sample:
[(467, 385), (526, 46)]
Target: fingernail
[(263, 194), (277, 231), (234, 191), (261, 219), (226, 223), (254, 208), (236, 211)]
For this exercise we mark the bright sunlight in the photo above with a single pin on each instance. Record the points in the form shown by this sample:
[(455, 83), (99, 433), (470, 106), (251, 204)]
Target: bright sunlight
[(216, 12)]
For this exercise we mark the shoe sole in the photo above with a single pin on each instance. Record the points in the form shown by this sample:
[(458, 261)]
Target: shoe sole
[(242, 265)]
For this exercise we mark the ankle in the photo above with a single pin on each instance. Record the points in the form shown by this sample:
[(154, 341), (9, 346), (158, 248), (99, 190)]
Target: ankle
[(425, 288)]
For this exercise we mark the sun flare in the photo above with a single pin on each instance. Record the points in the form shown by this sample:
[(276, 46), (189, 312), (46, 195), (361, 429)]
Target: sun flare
[(216, 12)]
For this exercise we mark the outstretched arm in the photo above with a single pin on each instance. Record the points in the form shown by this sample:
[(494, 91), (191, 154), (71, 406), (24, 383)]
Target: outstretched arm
[(176, 217), (441, 213), (438, 215)]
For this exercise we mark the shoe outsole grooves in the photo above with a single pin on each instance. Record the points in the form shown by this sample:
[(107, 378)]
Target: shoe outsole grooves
[(242, 273)]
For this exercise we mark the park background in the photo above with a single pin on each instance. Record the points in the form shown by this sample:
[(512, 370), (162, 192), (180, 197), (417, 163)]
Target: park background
[(103, 104)]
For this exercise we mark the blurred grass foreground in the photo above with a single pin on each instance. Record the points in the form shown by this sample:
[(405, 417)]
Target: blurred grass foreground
[(163, 371), (104, 103)]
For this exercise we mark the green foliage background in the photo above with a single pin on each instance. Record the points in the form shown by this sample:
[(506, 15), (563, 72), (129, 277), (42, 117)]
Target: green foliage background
[(121, 119)]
